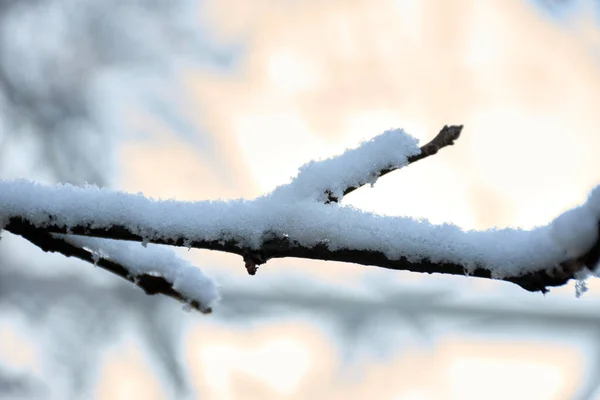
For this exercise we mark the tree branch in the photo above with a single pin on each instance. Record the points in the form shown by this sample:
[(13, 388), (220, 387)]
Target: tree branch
[(150, 284), (293, 221), (446, 137), (283, 247)]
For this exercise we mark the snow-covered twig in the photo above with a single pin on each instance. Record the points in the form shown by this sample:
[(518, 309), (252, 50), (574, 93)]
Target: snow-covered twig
[(329, 180), (296, 222), (155, 271), (446, 137)]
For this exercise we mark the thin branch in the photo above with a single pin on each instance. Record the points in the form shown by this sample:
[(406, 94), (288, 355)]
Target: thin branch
[(446, 137), (150, 284)]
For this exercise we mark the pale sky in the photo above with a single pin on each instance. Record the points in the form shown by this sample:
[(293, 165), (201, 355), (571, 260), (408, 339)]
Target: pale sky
[(316, 77)]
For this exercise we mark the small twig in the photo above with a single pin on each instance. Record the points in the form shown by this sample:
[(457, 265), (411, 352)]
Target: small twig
[(150, 284), (446, 137)]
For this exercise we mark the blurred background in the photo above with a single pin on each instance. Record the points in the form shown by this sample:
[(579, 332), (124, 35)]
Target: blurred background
[(227, 98)]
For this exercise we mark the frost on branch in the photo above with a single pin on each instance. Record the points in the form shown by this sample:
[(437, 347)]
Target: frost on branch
[(304, 219)]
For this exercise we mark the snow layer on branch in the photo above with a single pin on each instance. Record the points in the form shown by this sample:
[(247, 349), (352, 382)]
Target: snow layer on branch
[(593, 202), (577, 230), (157, 261), (506, 252), (352, 168)]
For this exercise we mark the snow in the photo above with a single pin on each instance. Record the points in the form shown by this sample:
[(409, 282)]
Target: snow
[(581, 278), (576, 230), (154, 260), (507, 251), (593, 202), (297, 211), (353, 168)]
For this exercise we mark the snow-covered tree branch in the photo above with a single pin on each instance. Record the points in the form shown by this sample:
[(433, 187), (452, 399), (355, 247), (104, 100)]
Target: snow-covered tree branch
[(301, 219)]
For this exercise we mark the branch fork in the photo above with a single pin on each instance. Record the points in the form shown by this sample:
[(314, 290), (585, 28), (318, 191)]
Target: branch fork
[(274, 226)]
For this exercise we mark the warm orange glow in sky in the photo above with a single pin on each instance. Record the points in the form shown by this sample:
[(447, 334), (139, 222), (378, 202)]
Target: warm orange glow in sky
[(317, 77)]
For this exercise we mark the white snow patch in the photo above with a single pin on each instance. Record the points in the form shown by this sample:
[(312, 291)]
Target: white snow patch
[(154, 260), (581, 278), (593, 202), (352, 168), (575, 231)]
